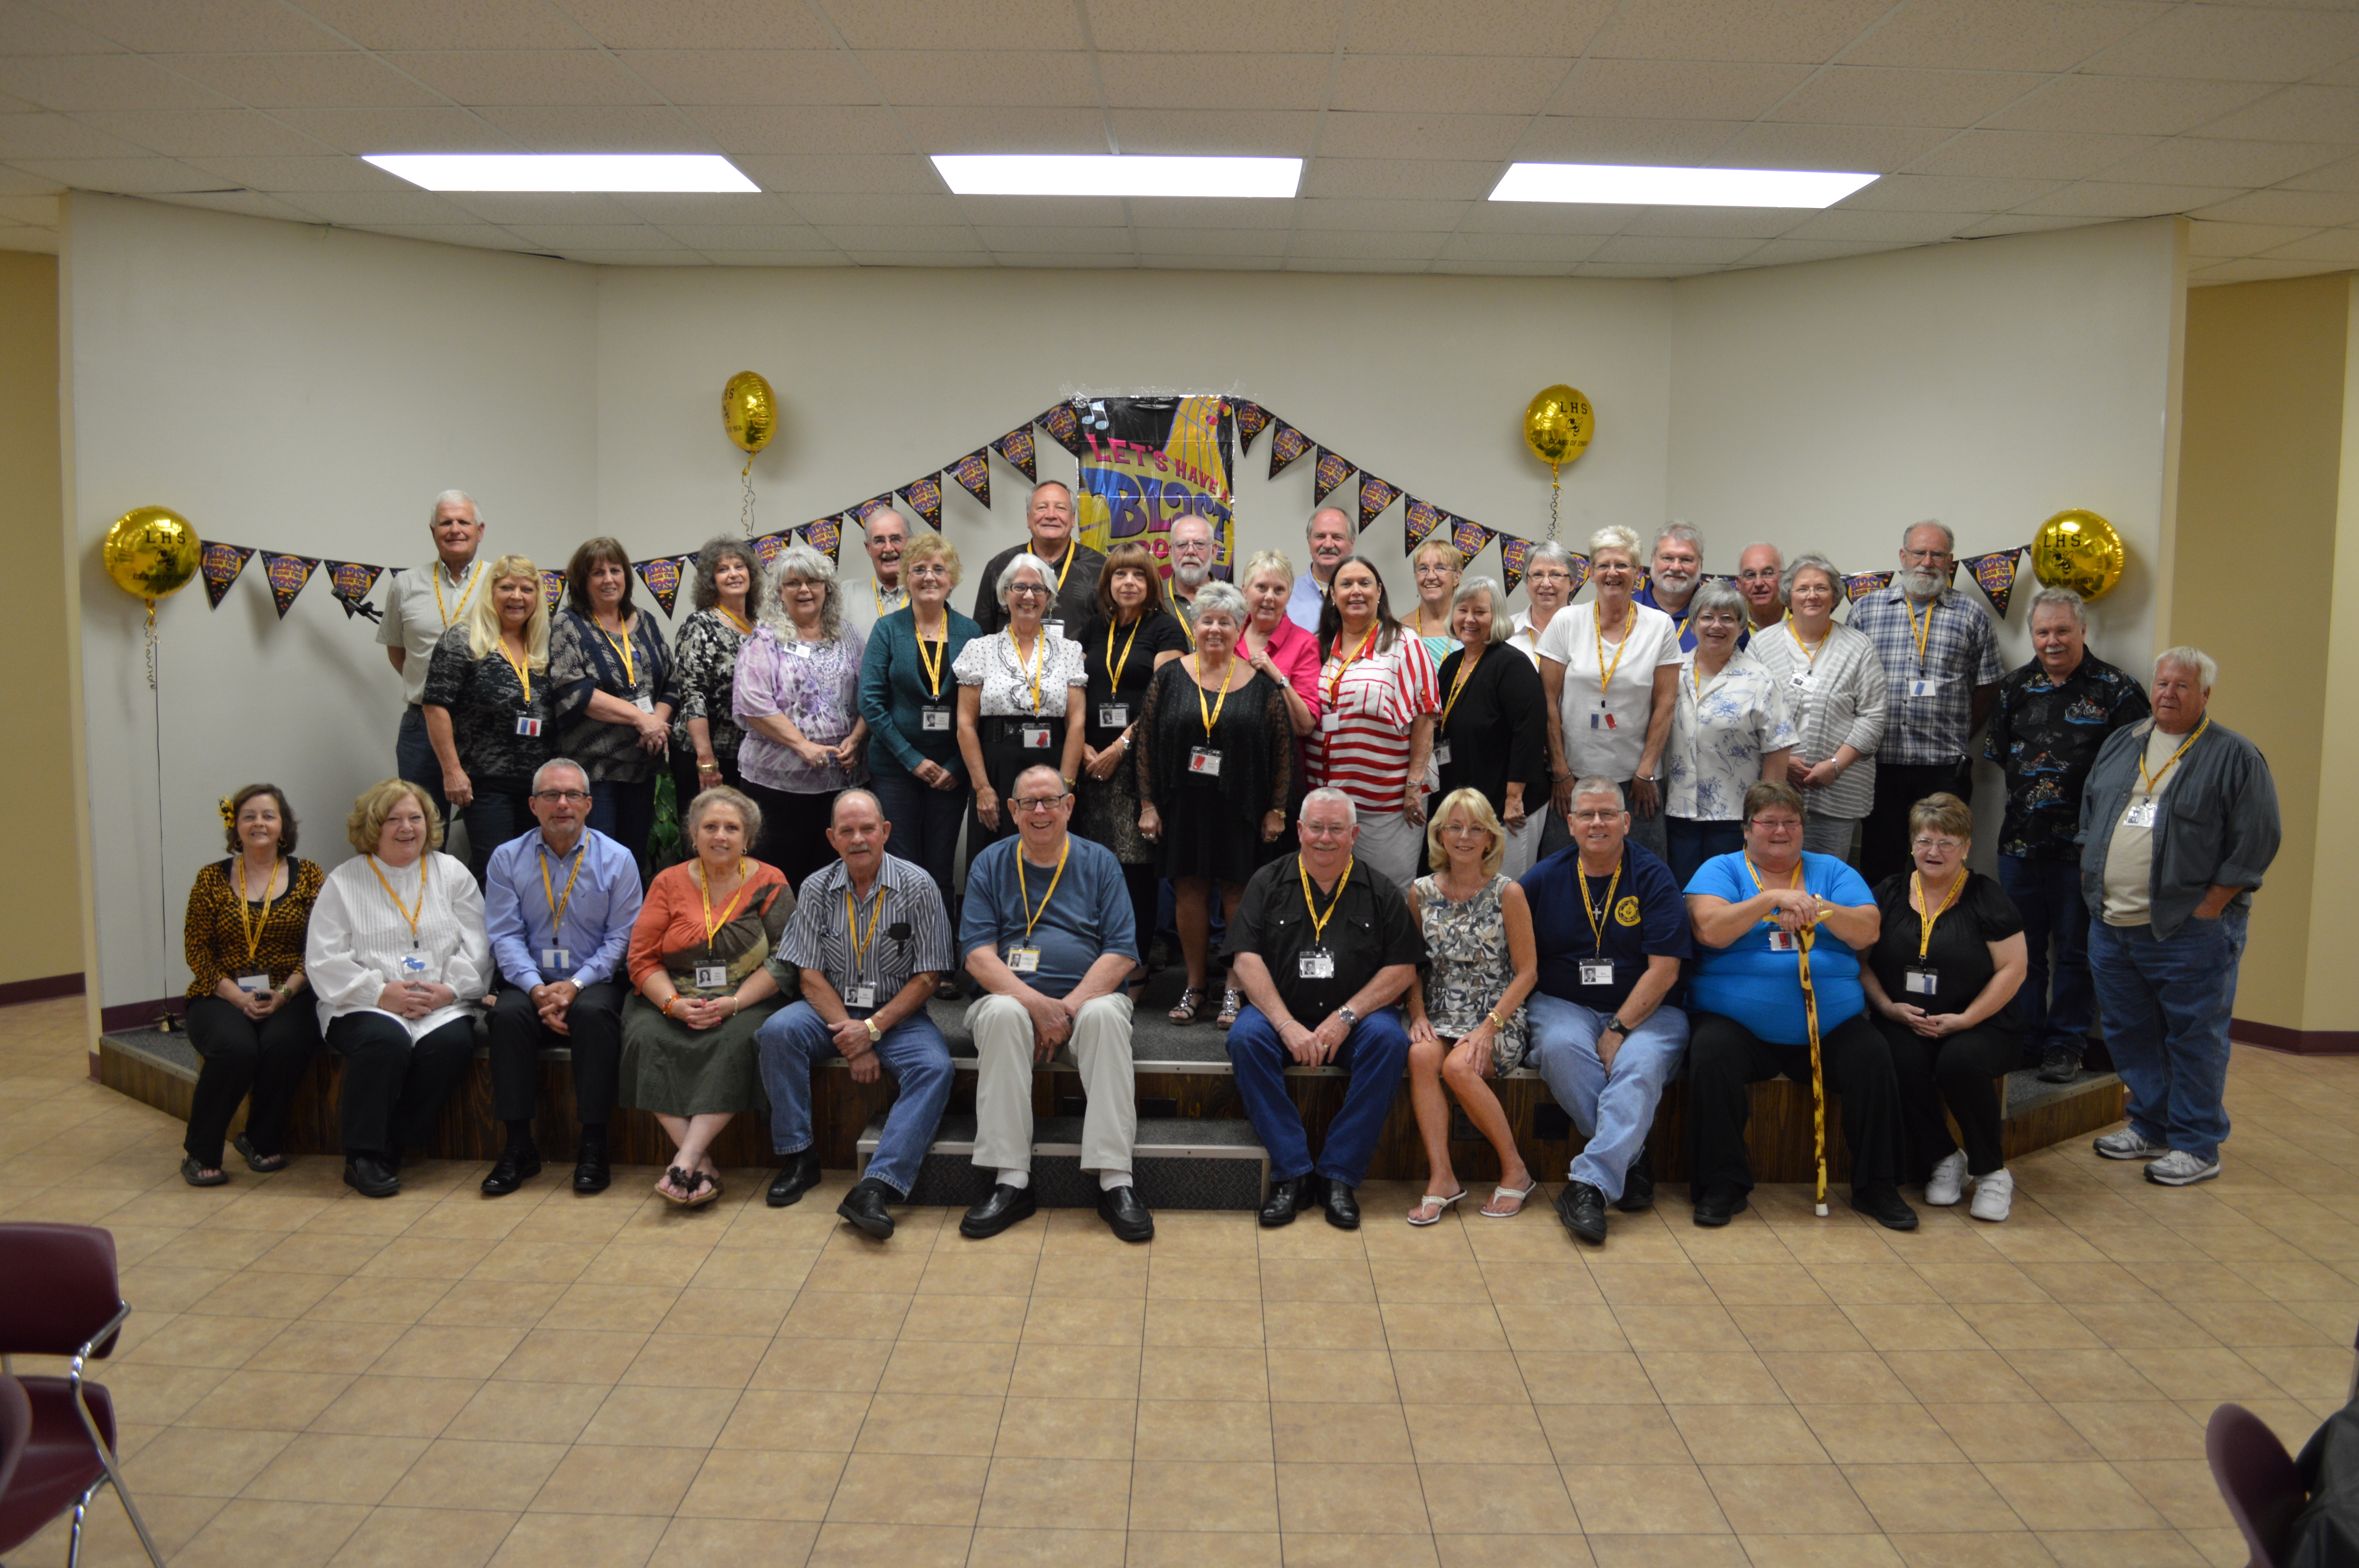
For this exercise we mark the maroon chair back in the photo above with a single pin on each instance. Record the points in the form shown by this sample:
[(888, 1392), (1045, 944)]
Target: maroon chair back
[(16, 1429), (2257, 1479), (62, 1289)]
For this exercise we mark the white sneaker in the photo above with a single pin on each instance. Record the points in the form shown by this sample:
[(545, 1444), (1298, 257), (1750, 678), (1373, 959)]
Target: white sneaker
[(2127, 1145), (1994, 1195), (1946, 1184), (2181, 1169)]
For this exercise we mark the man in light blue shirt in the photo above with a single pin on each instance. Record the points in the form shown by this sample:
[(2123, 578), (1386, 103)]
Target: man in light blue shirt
[(1329, 536), (559, 905)]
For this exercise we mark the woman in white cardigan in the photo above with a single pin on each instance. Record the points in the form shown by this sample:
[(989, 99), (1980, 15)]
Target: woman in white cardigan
[(1834, 688), (400, 961)]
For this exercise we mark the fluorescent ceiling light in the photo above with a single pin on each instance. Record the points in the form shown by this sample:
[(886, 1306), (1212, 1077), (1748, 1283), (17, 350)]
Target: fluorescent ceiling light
[(566, 171), (1636, 185), (1109, 174)]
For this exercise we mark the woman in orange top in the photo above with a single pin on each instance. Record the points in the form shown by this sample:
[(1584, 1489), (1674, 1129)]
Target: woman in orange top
[(698, 964)]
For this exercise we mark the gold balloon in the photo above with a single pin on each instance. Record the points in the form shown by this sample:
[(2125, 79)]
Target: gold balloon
[(749, 411), (151, 552), (1557, 425), (2079, 550)]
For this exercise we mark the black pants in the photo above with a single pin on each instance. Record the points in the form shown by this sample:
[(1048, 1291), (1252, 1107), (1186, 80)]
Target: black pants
[(493, 817), (393, 1090), (794, 830), (1723, 1057), (517, 1036), (685, 787), (1145, 903), (1884, 837), (1956, 1071), (627, 814), (241, 1057)]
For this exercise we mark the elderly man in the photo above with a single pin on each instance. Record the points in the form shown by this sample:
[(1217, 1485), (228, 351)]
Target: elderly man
[(2053, 715), (1942, 672), (421, 604), (1757, 572), (2179, 822), (1612, 931), (1676, 569), (1192, 546), (1049, 937), (559, 906), (887, 534), (1329, 537), (1323, 947), (1049, 534), (867, 943)]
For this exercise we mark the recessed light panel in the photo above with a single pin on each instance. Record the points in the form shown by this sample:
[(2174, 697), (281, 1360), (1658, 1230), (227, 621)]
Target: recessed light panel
[(1637, 185), (566, 171), (1110, 174)]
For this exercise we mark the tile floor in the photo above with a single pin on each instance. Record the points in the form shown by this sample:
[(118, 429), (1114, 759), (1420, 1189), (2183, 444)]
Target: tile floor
[(312, 1377)]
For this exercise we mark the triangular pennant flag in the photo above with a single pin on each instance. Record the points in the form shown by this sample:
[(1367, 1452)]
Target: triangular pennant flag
[(1064, 427), (349, 582), (662, 577), (973, 473), (870, 508), (1286, 444), (1995, 574), (1514, 558), (1252, 420), (924, 495), (1580, 574), (1419, 519), (1016, 446), (1470, 538), (1859, 587), (770, 547), (826, 535), (1332, 470), (1375, 494), (287, 576), (552, 586), (219, 566)]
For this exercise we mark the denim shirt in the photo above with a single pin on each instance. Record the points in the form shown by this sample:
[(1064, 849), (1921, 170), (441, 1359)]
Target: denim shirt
[(2218, 826)]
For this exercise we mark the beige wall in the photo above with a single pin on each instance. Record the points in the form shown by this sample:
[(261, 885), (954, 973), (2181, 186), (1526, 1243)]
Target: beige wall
[(35, 777)]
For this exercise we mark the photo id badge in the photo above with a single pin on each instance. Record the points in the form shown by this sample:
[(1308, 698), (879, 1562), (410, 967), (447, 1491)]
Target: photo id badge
[(1442, 755), (1330, 721), (1034, 736), (413, 966), (1024, 960), (711, 976), (1921, 982), (644, 703), (802, 650), (1596, 972), (1317, 964), (1924, 687), (1204, 762), (1783, 942), (1053, 628), (557, 960), (933, 719), (2140, 813), (1113, 715), (527, 726), (1802, 681), (862, 997), (255, 983)]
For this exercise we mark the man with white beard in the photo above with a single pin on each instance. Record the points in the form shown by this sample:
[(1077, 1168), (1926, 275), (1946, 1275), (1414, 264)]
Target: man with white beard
[(1940, 664), (1192, 565), (1672, 578)]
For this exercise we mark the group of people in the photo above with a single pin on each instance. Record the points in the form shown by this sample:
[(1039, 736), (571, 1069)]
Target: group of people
[(1690, 762)]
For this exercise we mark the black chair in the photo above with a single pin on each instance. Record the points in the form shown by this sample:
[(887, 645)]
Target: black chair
[(2257, 1479)]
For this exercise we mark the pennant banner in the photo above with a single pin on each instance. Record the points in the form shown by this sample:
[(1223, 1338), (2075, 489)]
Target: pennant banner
[(1580, 574), (662, 577), (1286, 444), (287, 576), (1515, 557), (770, 547), (1859, 587), (219, 566), (1016, 449), (1064, 427), (1419, 519), (1470, 536), (1375, 495), (552, 585), (1252, 420), (349, 582), (1995, 574), (826, 535), (924, 495), (1332, 470), (973, 473)]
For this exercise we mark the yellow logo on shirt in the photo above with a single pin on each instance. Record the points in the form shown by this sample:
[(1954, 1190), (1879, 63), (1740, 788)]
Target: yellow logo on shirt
[(1627, 912)]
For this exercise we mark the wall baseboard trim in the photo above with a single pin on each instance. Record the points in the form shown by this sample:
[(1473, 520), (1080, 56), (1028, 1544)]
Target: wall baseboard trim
[(2296, 1042), (41, 989), (140, 1014)]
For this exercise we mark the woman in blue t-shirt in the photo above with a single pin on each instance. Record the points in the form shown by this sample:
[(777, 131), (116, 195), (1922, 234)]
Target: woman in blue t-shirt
[(1758, 913)]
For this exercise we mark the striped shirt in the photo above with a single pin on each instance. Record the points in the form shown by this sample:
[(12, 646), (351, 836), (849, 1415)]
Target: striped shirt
[(1374, 700), (908, 934)]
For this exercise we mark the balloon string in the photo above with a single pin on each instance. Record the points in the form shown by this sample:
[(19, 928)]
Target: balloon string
[(151, 644), (746, 513), (1554, 490)]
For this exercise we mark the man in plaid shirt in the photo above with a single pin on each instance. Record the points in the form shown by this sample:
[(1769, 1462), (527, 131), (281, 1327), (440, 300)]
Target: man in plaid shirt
[(1941, 660)]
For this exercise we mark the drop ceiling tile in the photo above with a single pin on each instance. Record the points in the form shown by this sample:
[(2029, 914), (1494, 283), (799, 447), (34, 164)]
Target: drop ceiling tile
[(217, 27), (1655, 248), (288, 176), (342, 79), (1560, 249), (1253, 133), (602, 128), (1561, 30), (122, 176), (901, 236), (2340, 175), (748, 236), (1861, 148), (1003, 78), (1005, 130), (777, 258), (1466, 266), (2108, 199), (81, 82), (2221, 43), (1998, 35), (2198, 160), (1214, 27), (1563, 138), (373, 207), (1212, 264), (2125, 105), (1397, 179), (699, 24), (920, 258), (1238, 213), (570, 237), (1466, 137), (589, 257), (1352, 213), (1354, 263), (1545, 217), (1803, 32), (1214, 81), (450, 24), (2018, 223), (1839, 225), (802, 77), (1449, 84), (1676, 89), (2243, 239), (2029, 154), (1874, 95), (40, 209), (23, 237), (1942, 193), (26, 30), (879, 175), (771, 130), (1083, 244), (359, 131), (197, 133), (15, 181), (2337, 246), (481, 236), (248, 203), (2295, 114), (2254, 272), (703, 206), (1785, 252), (2318, 208), (541, 207), (820, 208), (924, 25), (1373, 242), (55, 137), (1098, 261), (568, 78), (1714, 222), (1210, 241), (1105, 211), (1644, 269)]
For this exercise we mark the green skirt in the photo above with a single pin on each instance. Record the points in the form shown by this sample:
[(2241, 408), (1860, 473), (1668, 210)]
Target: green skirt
[(673, 1070)]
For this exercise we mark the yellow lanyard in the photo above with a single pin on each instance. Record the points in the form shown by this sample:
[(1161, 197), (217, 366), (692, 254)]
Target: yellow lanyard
[(1917, 896), (1465, 667), (1695, 678), (1114, 666), (1597, 918), (2151, 786), (875, 908), (704, 891), (1809, 651), (1605, 671), (932, 667), (1039, 661), (1922, 633), (1318, 920), (1335, 682), (1070, 553), (548, 889), (254, 932), (1031, 916), (901, 597), (470, 578), (1188, 630), (744, 627), (623, 652), (411, 916), (1211, 715), (1808, 932), (522, 668)]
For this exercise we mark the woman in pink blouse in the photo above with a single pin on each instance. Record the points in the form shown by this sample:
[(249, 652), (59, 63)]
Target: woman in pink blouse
[(1273, 645)]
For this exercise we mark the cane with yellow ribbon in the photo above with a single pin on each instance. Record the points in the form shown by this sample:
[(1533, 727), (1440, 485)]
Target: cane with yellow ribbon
[(1803, 939)]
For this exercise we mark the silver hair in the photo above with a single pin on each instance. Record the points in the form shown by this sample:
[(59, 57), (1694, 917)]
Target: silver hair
[(1679, 528), (1949, 535), (1322, 511), (1212, 533), (1048, 768), (1023, 560), (1598, 783), (2068, 598), (1551, 551), (801, 560), (458, 496), (1614, 536), (1351, 812), (718, 552), (1045, 485), (854, 793), (1488, 586), (555, 764), (2206, 667), (1218, 597), (1809, 560), (1719, 593)]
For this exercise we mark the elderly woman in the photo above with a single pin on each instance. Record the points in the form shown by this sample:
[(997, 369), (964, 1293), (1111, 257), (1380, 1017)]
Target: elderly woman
[(1834, 688), (612, 680), (1493, 735), (1216, 759), (1610, 668), (1942, 982), (1437, 565), (1133, 634), (1016, 689), (398, 956), (1729, 732), (1280, 651), (726, 590), (1765, 918), (797, 695), (489, 726), (1377, 705), (1466, 1021), (701, 990), (243, 938), (1552, 574)]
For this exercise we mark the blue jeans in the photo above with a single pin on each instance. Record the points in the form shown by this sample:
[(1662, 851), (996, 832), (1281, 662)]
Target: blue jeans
[(2046, 894), (926, 824), (2167, 1006), (1374, 1053), (1692, 842), (1614, 1108), (414, 760), (796, 1039)]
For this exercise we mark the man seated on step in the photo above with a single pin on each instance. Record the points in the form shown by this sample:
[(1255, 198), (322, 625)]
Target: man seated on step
[(1048, 934), (1324, 947), (867, 944), (1612, 931), (559, 905)]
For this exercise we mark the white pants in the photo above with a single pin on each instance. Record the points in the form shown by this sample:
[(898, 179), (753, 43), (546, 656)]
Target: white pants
[(1100, 1045), (1392, 846), (1524, 847)]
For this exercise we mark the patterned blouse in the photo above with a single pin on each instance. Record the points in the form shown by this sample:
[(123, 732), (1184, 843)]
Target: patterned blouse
[(221, 943), (990, 663), (1471, 970), (1719, 736), (583, 660), (484, 698), (815, 686), (1836, 699), (705, 649)]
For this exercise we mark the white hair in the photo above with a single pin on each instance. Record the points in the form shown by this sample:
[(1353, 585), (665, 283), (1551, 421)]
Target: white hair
[(1488, 586), (1716, 593), (1218, 597), (1679, 528), (1598, 783), (1949, 535), (801, 560), (1551, 551), (1614, 536), (2206, 667), (1808, 561), (1351, 812), (555, 764), (453, 497), (1341, 515), (1023, 560), (2068, 600)]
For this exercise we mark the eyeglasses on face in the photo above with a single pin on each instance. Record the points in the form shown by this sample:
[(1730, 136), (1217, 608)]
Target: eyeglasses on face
[(1778, 825), (1937, 845), (1926, 558), (1326, 829), (557, 796), (1037, 803), (1600, 815), (1026, 589)]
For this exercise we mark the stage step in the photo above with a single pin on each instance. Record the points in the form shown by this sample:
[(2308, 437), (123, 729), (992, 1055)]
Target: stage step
[(1177, 1163)]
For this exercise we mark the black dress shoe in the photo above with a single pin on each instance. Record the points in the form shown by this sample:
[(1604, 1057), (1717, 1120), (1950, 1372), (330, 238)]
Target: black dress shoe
[(510, 1170), (2059, 1066), (1582, 1208), (1285, 1201), (798, 1176), (1124, 1214), (1637, 1186), (1716, 1208), (1341, 1205), (1006, 1205), (370, 1176), (864, 1208), (590, 1172), (1883, 1204)]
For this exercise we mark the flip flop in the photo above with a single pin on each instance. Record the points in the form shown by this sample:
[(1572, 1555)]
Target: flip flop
[(1521, 1194), (682, 1189), (1434, 1198)]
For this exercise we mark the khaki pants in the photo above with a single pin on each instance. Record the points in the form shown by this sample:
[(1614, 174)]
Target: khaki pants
[(1002, 1090)]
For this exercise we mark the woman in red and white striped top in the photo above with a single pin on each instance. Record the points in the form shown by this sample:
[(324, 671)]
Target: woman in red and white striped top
[(1376, 719)]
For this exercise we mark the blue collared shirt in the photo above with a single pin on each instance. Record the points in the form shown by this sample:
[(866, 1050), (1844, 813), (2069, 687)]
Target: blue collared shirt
[(1304, 603), (599, 913)]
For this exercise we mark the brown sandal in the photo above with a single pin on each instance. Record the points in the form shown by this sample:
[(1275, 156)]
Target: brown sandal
[(1191, 1003)]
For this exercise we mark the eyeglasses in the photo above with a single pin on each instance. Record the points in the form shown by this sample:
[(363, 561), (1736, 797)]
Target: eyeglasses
[(1025, 589), (1776, 825), (1758, 574), (572, 796), (1595, 816), (1926, 558), (1038, 802), (1464, 831), (1939, 845), (1326, 829)]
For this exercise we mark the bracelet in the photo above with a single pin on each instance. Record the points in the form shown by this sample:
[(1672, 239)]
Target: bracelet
[(666, 1009), (1493, 1019), (708, 767)]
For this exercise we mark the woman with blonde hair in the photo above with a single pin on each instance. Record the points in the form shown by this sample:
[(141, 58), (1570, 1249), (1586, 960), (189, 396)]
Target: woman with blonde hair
[(1466, 1020), (487, 707), (1438, 566)]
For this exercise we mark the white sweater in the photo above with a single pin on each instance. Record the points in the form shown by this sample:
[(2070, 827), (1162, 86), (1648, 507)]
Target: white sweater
[(358, 939)]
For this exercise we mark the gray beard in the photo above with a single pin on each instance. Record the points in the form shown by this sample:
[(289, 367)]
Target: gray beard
[(1190, 578), (1677, 584), (1920, 584)]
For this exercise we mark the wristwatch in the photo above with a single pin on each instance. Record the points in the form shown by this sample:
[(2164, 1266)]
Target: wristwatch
[(1350, 1020), (870, 1024), (1614, 1025)]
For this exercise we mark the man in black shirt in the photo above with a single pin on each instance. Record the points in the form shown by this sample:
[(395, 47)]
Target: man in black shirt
[(1323, 948), (1048, 529)]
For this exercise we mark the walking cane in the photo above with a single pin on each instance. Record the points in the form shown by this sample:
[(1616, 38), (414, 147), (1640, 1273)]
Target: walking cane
[(1817, 1072)]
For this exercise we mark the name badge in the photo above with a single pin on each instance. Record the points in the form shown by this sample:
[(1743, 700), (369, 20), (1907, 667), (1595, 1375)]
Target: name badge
[(554, 960), (1204, 761), (1113, 715), (711, 976), (2140, 813), (1921, 982), (1442, 755), (1024, 960), (1924, 687), (527, 726), (1601, 720), (644, 703), (934, 719), (1596, 972), (1034, 736), (255, 983), (1317, 964), (861, 996), (1330, 721), (802, 650), (413, 966), (1801, 679), (1783, 942), (1053, 628)]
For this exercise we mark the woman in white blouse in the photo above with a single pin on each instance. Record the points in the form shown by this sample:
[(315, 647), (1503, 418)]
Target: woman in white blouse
[(1835, 692), (1611, 669), (1016, 688), (1729, 733), (398, 959)]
